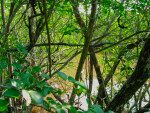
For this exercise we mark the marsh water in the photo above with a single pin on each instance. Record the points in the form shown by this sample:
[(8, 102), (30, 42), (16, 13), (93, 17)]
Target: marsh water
[(116, 87)]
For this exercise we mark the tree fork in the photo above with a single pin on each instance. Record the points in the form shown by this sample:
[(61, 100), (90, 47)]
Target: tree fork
[(102, 94), (88, 35)]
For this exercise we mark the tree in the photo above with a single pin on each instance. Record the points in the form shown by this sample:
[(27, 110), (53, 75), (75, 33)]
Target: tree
[(39, 39), (136, 80)]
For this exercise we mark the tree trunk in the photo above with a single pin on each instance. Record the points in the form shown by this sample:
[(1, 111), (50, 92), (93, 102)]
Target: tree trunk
[(136, 80), (87, 35), (102, 94)]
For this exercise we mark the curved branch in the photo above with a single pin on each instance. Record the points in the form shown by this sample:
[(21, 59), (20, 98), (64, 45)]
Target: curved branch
[(122, 40)]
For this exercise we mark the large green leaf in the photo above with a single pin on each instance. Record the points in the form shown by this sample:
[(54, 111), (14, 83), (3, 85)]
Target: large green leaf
[(45, 76), (81, 84), (62, 75), (3, 105), (96, 109), (11, 92), (36, 97), (71, 79)]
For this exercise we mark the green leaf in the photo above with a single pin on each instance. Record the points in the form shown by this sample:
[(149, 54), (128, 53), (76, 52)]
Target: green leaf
[(17, 65), (62, 111), (49, 98), (3, 64), (45, 76), (45, 91), (36, 69), (46, 104), (81, 84), (50, 89), (62, 75), (31, 79), (73, 109), (25, 112), (67, 33), (66, 105), (16, 73), (88, 101), (39, 85), (134, 11), (110, 111), (28, 69), (11, 92), (25, 78), (89, 111), (24, 51), (25, 75), (36, 97), (121, 7), (96, 109), (3, 105), (17, 83), (26, 81), (59, 91), (71, 79)]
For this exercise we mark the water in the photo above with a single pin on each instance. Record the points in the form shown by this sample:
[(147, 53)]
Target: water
[(116, 87)]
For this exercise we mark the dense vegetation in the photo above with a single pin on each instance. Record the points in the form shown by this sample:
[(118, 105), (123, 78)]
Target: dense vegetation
[(39, 39)]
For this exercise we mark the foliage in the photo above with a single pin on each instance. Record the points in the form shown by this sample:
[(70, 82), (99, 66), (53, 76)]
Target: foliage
[(32, 68), (42, 89)]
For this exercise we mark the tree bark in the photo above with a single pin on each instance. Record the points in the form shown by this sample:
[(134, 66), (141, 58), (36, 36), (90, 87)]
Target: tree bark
[(102, 94), (144, 109), (136, 80), (90, 79), (5, 30), (125, 50), (48, 38), (88, 35)]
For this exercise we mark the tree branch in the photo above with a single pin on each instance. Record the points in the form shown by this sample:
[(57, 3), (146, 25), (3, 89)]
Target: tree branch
[(122, 40), (136, 80)]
